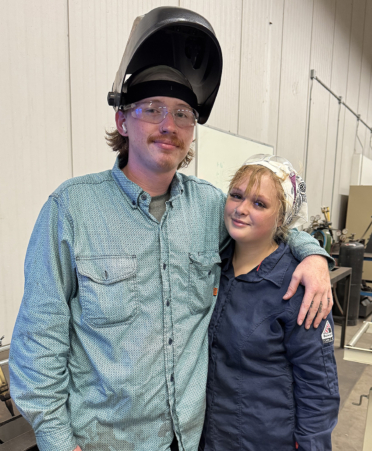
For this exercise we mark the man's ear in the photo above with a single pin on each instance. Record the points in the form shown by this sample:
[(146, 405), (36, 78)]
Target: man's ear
[(120, 123)]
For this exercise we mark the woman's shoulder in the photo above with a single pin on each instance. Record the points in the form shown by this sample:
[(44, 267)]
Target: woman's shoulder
[(277, 270), (286, 258), (290, 256)]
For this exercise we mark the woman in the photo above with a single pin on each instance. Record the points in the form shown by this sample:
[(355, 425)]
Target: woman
[(269, 387)]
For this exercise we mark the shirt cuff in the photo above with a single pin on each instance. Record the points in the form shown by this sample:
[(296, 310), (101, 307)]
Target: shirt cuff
[(323, 253), (303, 245), (321, 441), (63, 440)]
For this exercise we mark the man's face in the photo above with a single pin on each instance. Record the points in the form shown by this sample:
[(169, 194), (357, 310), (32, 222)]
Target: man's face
[(156, 147)]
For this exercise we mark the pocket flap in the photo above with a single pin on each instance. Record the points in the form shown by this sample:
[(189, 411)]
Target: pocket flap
[(205, 259), (107, 269)]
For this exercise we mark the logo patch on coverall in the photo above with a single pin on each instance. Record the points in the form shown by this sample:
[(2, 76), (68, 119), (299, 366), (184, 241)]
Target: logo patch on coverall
[(327, 334)]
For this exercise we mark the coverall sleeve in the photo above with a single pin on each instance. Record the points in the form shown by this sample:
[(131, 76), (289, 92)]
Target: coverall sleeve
[(316, 391), (39, 352), (302, 245)]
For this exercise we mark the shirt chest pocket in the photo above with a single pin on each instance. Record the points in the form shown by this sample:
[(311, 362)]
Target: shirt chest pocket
[(108, 289), (204, 279)]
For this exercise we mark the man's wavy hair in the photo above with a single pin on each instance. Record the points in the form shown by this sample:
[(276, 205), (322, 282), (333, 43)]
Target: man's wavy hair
[(254, 173), (120, 144)]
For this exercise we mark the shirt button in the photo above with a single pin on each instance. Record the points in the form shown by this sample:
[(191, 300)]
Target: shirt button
[(133, 202), (164, 265), (143, 197), (172, 378), (168, 303), (170, 341)]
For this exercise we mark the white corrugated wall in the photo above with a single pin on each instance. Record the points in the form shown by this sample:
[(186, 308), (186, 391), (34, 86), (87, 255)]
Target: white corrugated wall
[(35, 135), (59, 59)]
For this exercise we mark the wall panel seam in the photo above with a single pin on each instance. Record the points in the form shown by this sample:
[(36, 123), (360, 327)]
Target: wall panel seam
[(369, 108), (280, 81), (344, 120), (240, 63), (69, 83), (361, 56), (360, 80), (310, 84), (329, 107)]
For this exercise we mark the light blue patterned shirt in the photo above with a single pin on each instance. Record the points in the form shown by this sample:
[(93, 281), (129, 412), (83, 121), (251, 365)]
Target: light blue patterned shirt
[(109, 350)]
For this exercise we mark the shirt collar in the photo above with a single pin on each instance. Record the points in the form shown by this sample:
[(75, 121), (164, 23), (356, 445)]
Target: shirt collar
[(227, 255), (133, 191), (272, 268)]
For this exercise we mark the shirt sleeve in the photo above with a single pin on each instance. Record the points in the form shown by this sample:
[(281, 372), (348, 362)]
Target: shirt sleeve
[(40, 346), (224, 236), (316, 391), (302, 245)]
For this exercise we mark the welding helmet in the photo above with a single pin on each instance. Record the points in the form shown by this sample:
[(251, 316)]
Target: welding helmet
[(178, 38)]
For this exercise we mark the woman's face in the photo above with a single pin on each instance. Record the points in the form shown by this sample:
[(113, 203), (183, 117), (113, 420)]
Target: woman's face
[(252, 218)]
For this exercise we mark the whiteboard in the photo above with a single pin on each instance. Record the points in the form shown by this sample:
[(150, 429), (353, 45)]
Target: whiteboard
[(219, 154)]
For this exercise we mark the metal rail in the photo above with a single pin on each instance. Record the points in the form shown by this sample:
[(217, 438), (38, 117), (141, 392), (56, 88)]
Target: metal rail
[(357, 336), (313, 76), (2, 349), (357, 354)]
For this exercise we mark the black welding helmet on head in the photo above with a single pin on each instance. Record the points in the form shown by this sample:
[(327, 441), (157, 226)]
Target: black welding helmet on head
[(178, 38)]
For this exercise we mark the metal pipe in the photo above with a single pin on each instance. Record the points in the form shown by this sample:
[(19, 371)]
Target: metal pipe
[(355, 141), (357, 336), (308, 130), (351, 111), (335, 297), (313, 76), (4, 362), (336, 152), (361, 120)]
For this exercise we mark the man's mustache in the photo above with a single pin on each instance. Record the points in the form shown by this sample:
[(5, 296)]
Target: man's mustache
[(173, 140)]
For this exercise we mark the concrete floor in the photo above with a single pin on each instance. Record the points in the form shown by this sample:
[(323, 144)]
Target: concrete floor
[(355, 379)]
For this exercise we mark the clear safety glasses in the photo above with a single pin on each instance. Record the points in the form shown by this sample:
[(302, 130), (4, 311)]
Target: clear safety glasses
[(156, 113)]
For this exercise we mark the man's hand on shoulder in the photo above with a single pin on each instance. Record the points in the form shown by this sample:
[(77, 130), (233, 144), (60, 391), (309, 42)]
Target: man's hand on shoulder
[(317, 303), (77, 448)]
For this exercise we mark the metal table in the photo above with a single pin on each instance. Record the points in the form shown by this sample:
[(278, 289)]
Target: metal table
[(336, 274), (367, 256)]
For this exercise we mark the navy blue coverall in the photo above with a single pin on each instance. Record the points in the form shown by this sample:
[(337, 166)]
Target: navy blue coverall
[(272, 385)]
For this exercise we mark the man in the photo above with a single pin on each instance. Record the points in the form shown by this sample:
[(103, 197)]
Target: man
[(110, 348)]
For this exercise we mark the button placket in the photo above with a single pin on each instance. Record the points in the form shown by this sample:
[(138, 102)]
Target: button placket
[(168, 323)]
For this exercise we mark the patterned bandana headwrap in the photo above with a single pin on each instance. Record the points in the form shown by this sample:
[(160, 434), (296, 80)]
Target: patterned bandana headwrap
[(293, 185)]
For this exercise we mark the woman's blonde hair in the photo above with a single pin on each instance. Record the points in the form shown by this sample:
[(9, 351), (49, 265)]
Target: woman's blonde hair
[(254, 173)]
